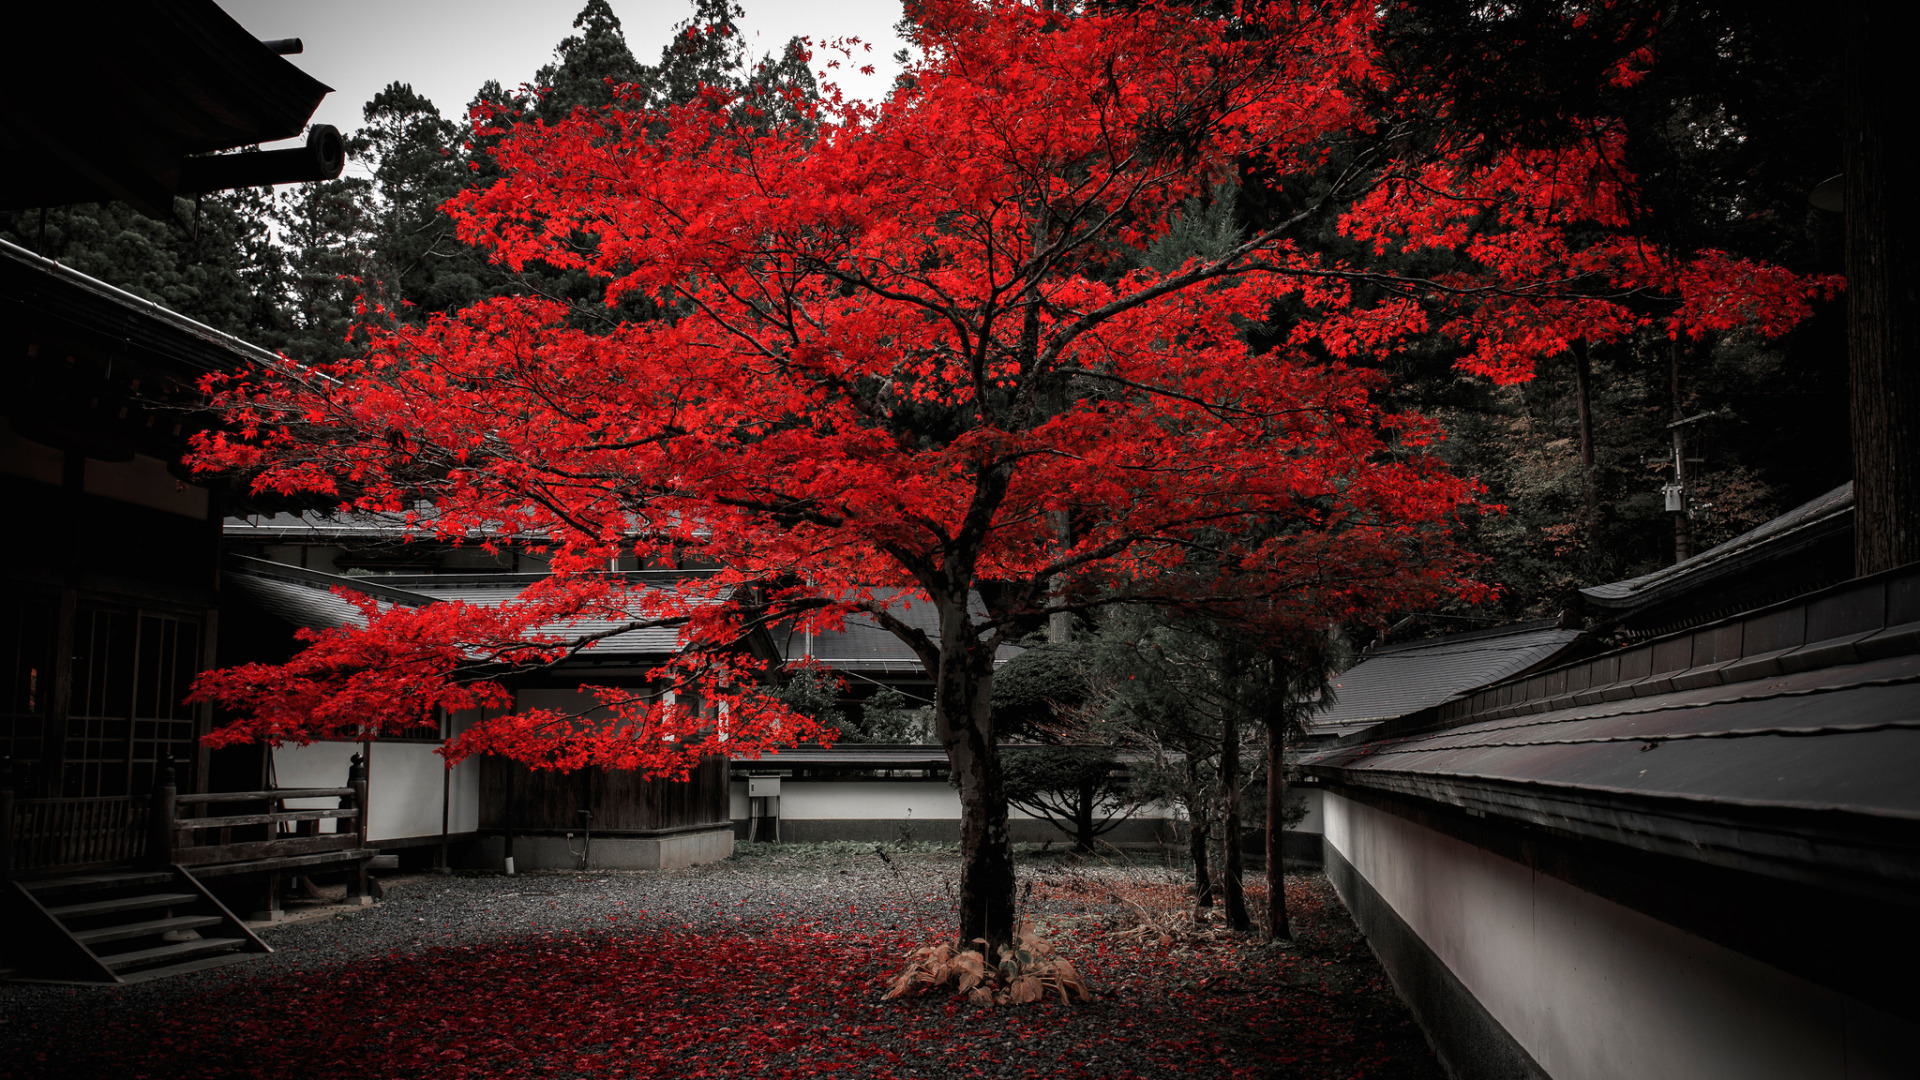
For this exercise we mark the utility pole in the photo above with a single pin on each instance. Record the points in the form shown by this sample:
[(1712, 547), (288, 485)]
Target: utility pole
[(1676, 492)]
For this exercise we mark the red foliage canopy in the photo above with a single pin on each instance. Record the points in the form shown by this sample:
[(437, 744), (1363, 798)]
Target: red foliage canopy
[(913, 345)]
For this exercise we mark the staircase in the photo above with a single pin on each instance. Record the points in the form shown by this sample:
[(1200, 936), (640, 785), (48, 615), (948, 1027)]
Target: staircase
[(122, 927)]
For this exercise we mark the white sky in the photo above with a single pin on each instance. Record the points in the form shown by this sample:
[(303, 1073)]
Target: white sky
[(447, 48)]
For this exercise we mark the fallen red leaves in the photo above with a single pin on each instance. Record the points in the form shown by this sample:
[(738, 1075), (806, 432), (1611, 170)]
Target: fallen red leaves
[(782, 1002)]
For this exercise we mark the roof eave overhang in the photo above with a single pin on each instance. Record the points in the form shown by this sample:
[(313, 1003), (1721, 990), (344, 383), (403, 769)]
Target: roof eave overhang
[(1863, 853)]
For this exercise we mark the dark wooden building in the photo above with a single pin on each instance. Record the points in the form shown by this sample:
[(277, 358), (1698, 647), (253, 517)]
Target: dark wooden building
[(109, 604)]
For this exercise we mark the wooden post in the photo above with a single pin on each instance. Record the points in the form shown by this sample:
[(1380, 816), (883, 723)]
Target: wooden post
[(160, 816), (357, 780), (6, 818)]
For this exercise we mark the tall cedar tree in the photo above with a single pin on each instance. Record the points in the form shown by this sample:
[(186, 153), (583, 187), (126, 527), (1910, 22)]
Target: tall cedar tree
[(902, 345)]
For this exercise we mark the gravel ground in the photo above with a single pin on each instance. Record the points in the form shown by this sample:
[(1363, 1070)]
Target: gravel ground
[(763, 965)]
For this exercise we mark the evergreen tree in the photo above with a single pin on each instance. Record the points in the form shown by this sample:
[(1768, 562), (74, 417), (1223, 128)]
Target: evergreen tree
[(588, 67), (417, 166), (327, 230), (707, 51), (195, 262)]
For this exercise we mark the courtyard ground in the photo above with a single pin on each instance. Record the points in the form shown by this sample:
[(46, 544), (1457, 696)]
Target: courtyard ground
[(771, 964)]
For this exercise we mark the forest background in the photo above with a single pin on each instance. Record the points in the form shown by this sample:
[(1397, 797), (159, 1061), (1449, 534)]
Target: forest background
[(1735, 124)]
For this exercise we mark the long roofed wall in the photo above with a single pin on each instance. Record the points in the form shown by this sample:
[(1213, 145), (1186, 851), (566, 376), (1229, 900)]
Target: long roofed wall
[(1691, 857)]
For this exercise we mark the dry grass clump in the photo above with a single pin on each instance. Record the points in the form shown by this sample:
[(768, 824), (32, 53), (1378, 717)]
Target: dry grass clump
[(1026, 972)]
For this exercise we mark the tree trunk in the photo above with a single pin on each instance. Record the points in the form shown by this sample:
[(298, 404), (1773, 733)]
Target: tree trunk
[(1237, 918), (964, 721), (1059, 623), (1882, 297), (1083, 819), (1277, 927), (1583, 400), (1199, 834)]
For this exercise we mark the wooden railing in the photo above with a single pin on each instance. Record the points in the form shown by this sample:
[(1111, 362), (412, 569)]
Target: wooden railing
[(76, 834), (169, 829), (190, 839)]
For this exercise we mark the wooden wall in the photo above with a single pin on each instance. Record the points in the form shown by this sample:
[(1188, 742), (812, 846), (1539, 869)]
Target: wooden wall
[(527, 800)]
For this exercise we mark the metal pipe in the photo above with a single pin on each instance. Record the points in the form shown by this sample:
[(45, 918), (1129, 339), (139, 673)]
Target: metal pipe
[(286, 46)]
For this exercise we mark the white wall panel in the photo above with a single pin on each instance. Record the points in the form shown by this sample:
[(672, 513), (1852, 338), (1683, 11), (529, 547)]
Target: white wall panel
[(872, 799), (1597, 991), (404, 785)]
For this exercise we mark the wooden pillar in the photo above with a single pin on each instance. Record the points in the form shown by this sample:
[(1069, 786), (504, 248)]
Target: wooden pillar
[(358, 890), (269, 907), (203, 712), (6, 818), (160, 816)]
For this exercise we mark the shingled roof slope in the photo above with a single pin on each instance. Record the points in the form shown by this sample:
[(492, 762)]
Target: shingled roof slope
[(1396, 680)]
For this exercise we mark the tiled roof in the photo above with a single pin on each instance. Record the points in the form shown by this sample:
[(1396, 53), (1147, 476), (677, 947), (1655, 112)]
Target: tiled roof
[(54, 290), (1400, 679), (300, 603), (1774, 539), (854, 755), (303, 597), (314, 526)]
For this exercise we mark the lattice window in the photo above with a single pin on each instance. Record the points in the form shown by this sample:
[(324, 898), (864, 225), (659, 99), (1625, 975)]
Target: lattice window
[(130, 670)]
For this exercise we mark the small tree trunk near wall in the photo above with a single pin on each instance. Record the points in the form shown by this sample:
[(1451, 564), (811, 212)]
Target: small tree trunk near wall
[(1199, 835), (1237, 917), (1589, 490), (1682, 524), (1083, 819), (1059, 623), (1277, 927)]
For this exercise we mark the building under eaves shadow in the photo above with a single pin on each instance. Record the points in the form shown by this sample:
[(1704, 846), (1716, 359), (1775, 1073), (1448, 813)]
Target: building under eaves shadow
[(486, 810), (1695, 855)]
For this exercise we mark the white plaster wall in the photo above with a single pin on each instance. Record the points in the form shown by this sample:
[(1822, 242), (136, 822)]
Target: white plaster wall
[(867, 799), (404, 786), (877, 800), (1597, 991), (1313, 799)]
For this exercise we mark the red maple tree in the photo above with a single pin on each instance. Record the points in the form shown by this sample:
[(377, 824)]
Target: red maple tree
[(912, 346)]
